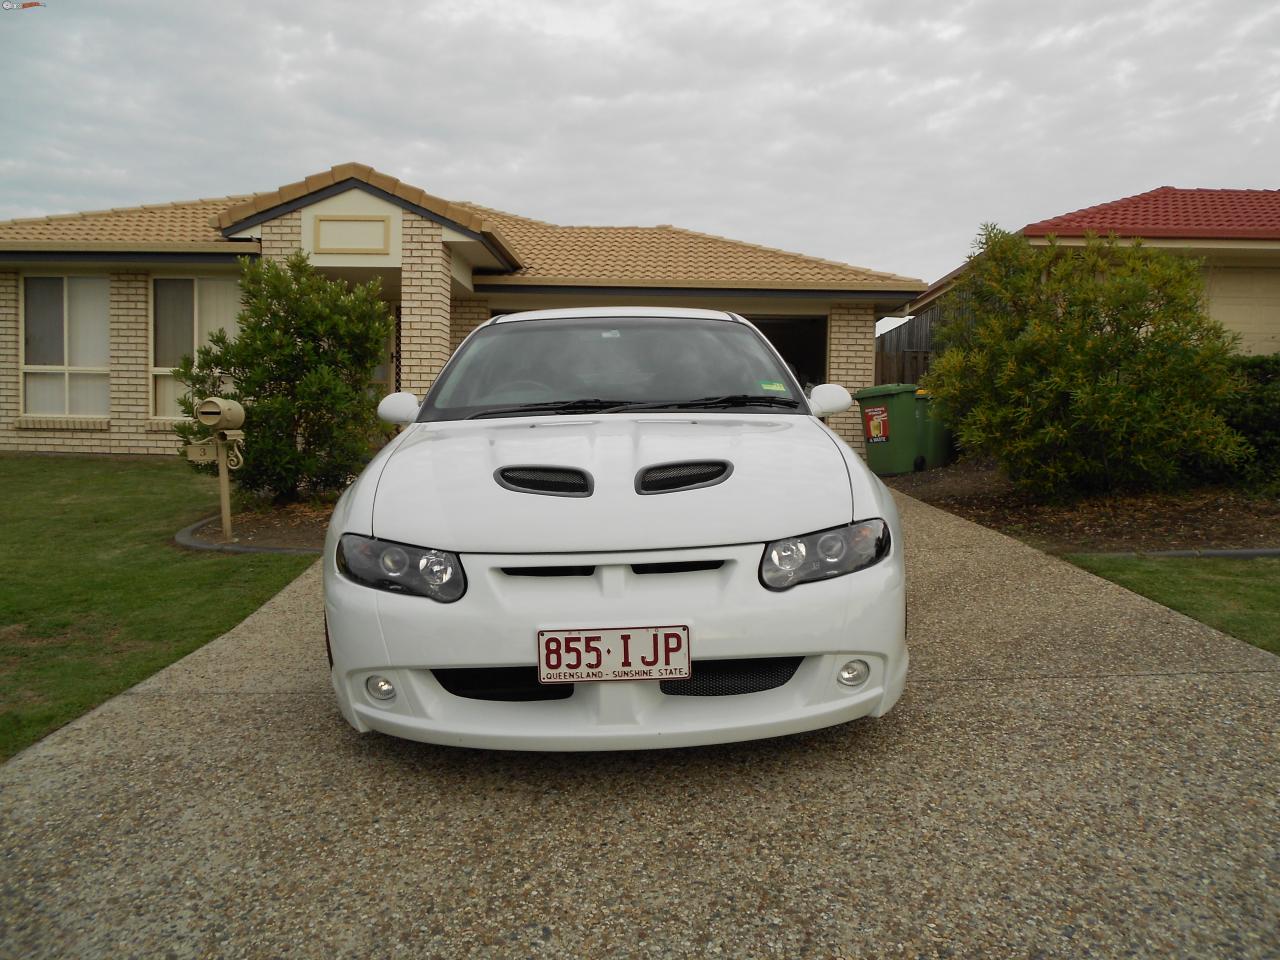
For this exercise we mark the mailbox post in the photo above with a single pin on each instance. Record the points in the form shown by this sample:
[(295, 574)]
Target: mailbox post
[(226, 448)]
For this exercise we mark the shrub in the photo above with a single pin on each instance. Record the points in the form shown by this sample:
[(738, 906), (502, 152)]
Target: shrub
[(1084, 368), (301, 364), (1253, 411)]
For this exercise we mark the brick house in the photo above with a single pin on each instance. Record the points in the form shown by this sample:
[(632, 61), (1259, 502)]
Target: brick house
[(97, 307), (1234, 233)]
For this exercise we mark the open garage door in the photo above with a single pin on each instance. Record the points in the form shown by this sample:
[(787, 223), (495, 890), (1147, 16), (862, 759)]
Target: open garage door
[(802, 341)]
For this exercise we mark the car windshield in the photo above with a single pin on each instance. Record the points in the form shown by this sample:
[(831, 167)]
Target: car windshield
[(575, 365)]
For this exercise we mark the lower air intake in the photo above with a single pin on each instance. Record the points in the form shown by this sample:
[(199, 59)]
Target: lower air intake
[(508, 684), (729, 678)]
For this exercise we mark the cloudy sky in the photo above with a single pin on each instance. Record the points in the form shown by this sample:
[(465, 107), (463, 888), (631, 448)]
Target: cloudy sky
[(879, 133)]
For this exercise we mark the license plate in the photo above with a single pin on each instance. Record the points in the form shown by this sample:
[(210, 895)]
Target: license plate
[(626, 653)]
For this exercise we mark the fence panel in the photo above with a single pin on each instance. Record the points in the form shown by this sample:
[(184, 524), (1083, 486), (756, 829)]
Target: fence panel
[(903, 366)]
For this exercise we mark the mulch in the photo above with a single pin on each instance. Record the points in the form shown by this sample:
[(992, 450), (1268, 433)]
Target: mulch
[(296, 525), (1203, 518)]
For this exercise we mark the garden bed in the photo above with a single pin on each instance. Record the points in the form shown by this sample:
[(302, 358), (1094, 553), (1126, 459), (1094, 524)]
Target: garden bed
[(295, 526), (1197, 519)]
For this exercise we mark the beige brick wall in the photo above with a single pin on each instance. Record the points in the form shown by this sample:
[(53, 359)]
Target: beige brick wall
[(282, 236), (425, 337), (9, 376), (129, 428), (465, 314), (851, 362)]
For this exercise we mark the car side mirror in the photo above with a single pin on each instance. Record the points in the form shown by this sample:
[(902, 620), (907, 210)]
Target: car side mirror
[(398, 408), (829, 398)]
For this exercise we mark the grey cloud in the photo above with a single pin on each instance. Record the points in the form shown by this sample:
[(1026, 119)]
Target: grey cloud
[(881, 133)]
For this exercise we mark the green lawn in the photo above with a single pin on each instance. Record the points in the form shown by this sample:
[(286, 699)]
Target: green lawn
[(95, 596), (1239, 597)]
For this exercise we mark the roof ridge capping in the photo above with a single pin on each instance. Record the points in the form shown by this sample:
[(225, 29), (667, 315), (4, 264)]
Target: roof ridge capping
[(484, 208)]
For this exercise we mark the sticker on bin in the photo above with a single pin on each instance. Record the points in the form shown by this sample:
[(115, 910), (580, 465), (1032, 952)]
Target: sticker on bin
[(876, 421)]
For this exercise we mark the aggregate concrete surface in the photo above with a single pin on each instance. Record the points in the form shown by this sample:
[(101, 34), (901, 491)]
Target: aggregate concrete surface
[(1074, 771)]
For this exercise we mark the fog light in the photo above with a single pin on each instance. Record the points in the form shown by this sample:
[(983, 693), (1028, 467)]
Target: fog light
[(380, 688), (854, 673)]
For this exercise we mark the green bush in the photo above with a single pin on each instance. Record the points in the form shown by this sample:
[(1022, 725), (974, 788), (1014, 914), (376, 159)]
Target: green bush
[(301, 364), (1084, 368), (1253, 411)]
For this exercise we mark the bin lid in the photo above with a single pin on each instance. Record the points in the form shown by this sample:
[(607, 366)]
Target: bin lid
[(885, 390), (922, 392)]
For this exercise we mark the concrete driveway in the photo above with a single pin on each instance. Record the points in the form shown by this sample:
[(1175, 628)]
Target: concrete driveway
[(1074, 771)]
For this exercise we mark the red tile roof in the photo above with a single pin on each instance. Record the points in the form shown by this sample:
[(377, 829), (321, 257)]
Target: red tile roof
[(1174, 212)]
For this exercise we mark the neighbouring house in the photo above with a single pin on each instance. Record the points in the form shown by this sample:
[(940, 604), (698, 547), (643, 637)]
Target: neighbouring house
[(96, 308), (1236, 233)]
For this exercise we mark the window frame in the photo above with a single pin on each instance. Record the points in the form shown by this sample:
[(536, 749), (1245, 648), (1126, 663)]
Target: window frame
[(65, 369), (152, 370)]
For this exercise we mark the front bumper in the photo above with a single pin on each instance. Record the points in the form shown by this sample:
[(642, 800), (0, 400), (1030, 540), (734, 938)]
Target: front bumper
[(730, 616)]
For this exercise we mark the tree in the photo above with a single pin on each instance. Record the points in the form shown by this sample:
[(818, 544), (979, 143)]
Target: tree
[(1084, 368), (301, 363)]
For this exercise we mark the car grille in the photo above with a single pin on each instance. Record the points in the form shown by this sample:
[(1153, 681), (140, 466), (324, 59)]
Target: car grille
[(677, 566), (550, 481), (669, 477), (509, 684), (729, 678), (569, 571)]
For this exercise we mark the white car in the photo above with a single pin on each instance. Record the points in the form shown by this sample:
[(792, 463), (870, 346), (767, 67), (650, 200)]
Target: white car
[(615, 528)]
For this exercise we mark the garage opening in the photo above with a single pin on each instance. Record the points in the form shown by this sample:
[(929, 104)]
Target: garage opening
[(802, 341)]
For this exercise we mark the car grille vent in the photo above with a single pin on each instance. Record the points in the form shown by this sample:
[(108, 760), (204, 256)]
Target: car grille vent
[(670, 477), (681, 566), (549, 481), (508, 684), (729, 678), (549, 571)]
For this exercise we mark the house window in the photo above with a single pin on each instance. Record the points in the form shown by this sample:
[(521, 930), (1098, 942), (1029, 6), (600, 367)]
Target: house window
[(186, 310), (65, 335)]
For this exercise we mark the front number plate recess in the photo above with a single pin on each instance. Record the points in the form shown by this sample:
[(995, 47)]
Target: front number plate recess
[(613, 653)]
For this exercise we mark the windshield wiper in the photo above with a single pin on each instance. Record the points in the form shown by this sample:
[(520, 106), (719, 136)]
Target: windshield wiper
[(702, 403), (556, 406)]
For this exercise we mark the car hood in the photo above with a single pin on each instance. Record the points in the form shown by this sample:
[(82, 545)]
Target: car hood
[(438, 489)]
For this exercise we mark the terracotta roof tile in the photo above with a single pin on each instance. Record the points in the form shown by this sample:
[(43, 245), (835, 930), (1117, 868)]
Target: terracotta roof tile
[(1175, 213), (666, 255), (546, 253), (151, 226)]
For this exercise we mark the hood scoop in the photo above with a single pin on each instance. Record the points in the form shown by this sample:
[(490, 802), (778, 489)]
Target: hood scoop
[(685, 475), (547, 481)]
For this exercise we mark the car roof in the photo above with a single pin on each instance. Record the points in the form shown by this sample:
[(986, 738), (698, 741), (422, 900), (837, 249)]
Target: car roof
[(578, 313)]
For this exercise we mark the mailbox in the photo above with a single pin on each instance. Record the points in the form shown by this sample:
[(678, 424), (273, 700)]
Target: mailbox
[(220, 413), (225, 448)]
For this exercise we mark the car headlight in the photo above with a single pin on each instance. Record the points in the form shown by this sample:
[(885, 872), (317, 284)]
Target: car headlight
[(825, 554), (400, 568)]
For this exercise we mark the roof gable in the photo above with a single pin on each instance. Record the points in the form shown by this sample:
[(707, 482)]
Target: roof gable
[(1175, 213), (258, 207)]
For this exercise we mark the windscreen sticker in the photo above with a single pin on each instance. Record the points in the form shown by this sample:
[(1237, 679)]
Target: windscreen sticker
[(773, 386)]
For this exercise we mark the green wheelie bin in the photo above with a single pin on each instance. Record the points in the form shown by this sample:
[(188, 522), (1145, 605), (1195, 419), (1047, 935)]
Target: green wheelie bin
[(890, 427), (933, 448)]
